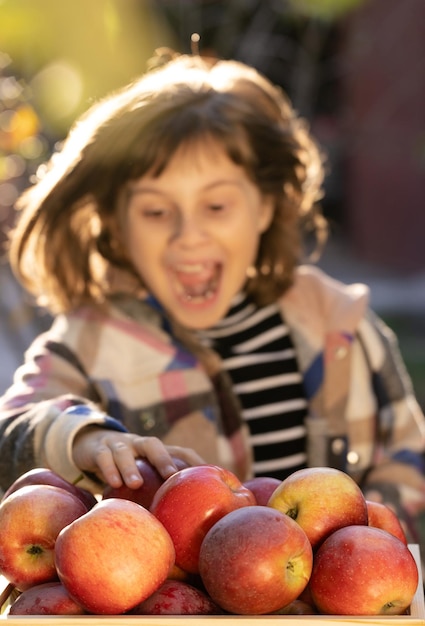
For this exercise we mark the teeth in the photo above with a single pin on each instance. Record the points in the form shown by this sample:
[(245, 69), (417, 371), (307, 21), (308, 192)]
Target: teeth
[(191, 268), (198, 299), (200, 284)]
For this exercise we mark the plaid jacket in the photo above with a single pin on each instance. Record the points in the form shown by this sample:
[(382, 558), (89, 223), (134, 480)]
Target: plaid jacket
[(129, 370)]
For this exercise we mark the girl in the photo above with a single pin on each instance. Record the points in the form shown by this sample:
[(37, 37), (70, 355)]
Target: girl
[(166, 237)]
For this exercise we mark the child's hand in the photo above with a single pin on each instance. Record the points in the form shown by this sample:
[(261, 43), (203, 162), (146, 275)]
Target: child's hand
[(111, 455)]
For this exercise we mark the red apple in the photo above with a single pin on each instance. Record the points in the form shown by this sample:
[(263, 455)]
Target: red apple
[(144, 494), (45, 599), (262, 487), (114, 557), (381, 516), (30, 521), (305, 595), (320, 500), (297, 607), (45, 476), (255, 560), (189, 502), (362, 570), (176, 597)]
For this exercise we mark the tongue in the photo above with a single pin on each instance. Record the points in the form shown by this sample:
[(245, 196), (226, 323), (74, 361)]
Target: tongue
[(198, 289), (197, 284)]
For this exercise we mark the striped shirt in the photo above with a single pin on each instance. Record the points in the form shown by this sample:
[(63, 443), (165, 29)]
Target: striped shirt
[(257, 351)]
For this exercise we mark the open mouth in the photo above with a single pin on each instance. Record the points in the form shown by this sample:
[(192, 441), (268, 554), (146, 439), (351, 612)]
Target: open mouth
[(196, 282)]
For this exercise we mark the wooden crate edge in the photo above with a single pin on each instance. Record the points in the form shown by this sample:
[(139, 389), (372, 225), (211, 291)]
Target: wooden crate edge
[(417, 608)]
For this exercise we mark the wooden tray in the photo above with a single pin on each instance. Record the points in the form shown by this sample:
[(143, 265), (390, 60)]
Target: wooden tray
[(415, 618)]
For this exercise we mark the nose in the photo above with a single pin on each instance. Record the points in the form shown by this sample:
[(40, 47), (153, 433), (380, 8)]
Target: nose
[(189, 231)]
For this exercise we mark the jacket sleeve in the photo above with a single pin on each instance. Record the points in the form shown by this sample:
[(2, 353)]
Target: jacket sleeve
[(50, 400), (397, 473)]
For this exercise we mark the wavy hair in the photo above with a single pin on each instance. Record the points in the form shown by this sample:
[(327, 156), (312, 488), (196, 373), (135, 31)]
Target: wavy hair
[(66, 248)]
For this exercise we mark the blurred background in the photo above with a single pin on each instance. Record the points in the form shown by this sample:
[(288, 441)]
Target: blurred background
[(355, 69)]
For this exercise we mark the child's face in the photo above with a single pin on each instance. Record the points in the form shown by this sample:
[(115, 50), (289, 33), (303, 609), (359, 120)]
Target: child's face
[(193, 232)]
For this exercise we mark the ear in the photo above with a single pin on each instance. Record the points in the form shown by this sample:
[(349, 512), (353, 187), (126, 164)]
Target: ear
[(266, 213)]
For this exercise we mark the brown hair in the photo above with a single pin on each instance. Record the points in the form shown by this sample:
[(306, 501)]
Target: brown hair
[(65, 248)]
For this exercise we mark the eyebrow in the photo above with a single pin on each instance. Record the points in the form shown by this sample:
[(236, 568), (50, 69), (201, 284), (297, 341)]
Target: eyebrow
[(145, 188)]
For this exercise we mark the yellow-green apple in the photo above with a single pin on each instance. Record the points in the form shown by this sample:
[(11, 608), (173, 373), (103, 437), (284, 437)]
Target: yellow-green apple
[(45, 599), (255, 560), (177, 573), (30, 521), (320, 500), (176, 597), (45, 476), (189, 502), (144, 494), (381, 516), (262, 487), (114, 557), (362, 570)]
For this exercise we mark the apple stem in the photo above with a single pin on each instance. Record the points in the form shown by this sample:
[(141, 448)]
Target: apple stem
[(292, 513), (5, 594), (78, 479)]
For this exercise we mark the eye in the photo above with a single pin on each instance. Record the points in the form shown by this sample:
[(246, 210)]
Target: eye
[(150, 206), (215, 207), (154, 212)]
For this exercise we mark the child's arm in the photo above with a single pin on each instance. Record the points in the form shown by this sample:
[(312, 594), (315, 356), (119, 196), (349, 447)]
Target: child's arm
[(52, 404), (397, 476)]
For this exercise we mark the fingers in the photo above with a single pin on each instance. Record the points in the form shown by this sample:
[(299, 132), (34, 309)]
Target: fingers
[(112, 456), (108, 454), (116, 462), (156, 453), (186, 454), (161, 456), (153, 449)]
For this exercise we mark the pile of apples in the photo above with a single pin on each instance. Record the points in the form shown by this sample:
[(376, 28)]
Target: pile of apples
[(202, 542)]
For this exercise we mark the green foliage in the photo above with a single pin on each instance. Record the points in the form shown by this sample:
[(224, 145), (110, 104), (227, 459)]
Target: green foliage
[(325, 9)]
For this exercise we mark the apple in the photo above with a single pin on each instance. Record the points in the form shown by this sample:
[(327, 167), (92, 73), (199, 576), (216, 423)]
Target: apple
[(45, 476), (362, 570), (144, 494), (255, 560), (45, 599), (177, 573), (262, 487), (381, 516), (297, 607), (320, 500), (176, 597), (305, 595), (30, 521), (113, 557), (189, 502)]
